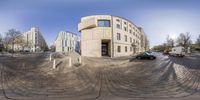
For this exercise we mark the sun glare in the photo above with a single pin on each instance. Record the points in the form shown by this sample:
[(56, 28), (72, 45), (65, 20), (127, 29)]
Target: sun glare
[(173, 36)]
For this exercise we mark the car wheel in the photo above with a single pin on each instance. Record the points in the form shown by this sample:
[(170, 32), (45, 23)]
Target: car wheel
[(139, 57), (151, 58)]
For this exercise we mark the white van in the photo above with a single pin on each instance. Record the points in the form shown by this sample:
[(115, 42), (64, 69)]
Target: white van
[(178, 51)]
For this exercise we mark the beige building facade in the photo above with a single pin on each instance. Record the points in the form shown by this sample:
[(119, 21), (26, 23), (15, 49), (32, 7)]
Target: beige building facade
[(31, 41), (67, 41), (113, 36), (35, 41)]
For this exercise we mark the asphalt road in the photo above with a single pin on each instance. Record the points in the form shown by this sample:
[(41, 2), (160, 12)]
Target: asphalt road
[(167, 78)]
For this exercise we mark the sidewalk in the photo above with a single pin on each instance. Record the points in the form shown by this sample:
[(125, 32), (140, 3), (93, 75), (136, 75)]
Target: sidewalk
[(107, 61)]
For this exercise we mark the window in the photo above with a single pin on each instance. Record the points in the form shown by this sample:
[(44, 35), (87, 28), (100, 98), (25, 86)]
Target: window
[(130, 49), (117, 20), (125, 48), (133, 33), (118, 26), (125, 23), (134, 28), (118, 49), (125, 36), (130, 31), (65, 42), (130, 39), (103, 23), (118, 36), (125, 29)]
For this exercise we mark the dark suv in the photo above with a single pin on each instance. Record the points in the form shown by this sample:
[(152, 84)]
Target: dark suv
[(145, 55)]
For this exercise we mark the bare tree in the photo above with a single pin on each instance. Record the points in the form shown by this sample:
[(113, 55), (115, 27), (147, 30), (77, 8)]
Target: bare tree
[(9, 39), (184, 39), (198, 40), (1, 39), (170, 42), (1, 43), (160, 48), (19, 40)]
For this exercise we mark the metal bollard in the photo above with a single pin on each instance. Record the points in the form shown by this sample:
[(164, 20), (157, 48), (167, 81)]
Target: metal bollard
[(54, 64), (70, 62), (50, 57)]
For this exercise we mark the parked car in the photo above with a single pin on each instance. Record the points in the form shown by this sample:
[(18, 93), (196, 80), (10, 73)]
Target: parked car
[(178, 51), (145, 55)]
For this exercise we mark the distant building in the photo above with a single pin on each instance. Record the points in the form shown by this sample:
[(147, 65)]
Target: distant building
[(143, 40), (113, 36), (67, 41), (33, 41)]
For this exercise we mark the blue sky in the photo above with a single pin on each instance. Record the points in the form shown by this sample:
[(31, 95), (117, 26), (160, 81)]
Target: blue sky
[(157, 17)]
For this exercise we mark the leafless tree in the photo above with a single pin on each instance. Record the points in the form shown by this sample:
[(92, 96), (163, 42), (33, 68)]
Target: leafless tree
[(1, 43), (198, 40), (170, 42), (10, 38), (160, 48), (19, 40), (184, 39), (1, 39)]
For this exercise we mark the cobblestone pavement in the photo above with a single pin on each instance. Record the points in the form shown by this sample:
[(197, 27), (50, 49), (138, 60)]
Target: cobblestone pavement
[(167, 78)]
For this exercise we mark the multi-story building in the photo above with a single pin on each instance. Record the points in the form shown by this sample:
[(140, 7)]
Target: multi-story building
[(67, 41), (34, 41), (113, 36), (143, 40)]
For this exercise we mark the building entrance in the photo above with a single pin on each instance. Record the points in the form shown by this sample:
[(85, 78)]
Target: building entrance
[(104, 49)]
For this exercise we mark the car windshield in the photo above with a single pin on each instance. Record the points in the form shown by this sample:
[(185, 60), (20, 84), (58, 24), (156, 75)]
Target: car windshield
[(148, 53)]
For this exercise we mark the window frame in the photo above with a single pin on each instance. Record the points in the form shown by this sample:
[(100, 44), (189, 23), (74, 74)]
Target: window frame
[(118, 49), (118, 36), (118, 26), (126, 49), (125, 38), (125, 29), (104, 24)]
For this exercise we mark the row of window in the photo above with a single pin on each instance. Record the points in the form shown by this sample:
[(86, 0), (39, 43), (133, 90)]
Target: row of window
[(126, 38), (125, 23), (66, 43), (68, 48), (125, 49), (106, 23), (125, 29)]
